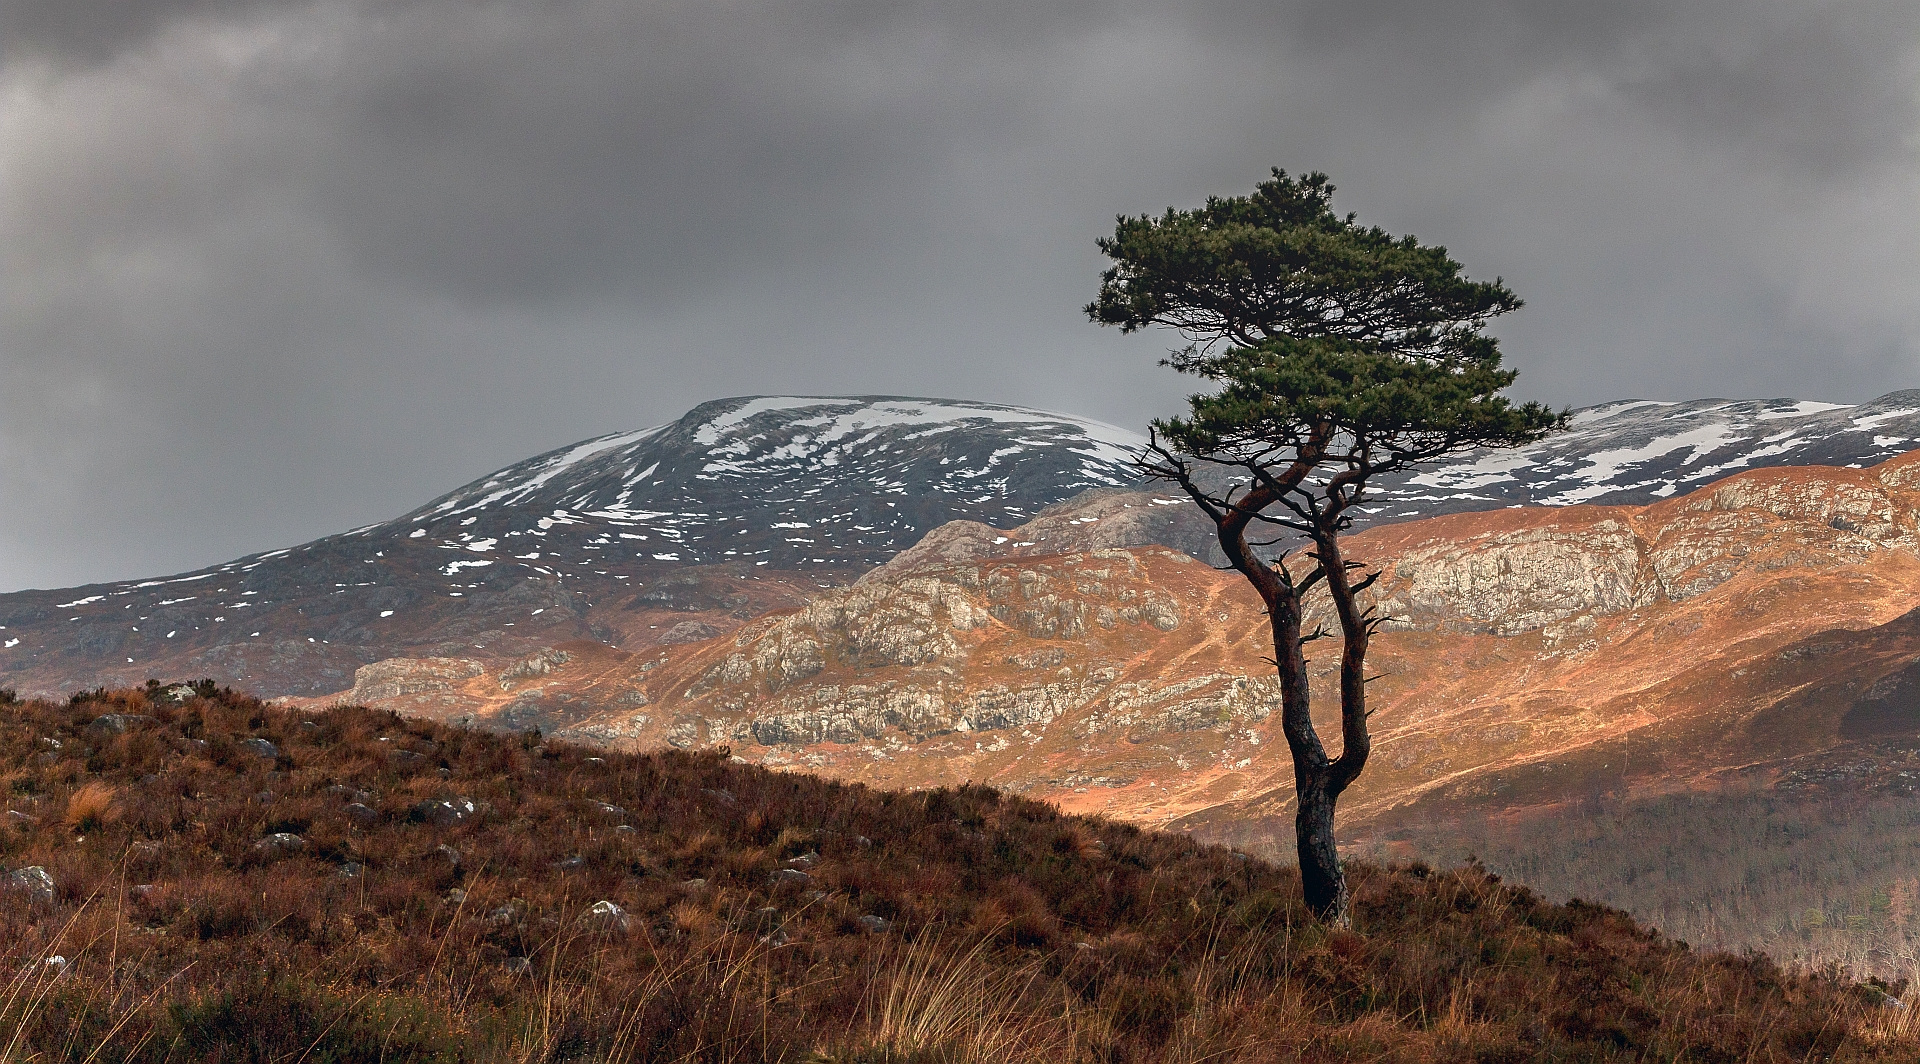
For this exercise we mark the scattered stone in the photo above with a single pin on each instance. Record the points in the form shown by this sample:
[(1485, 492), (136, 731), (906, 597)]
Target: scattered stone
[(351, 794), (873, 925), (606, 917), (350, 870), (791, 875), (362, 815), (443, 812), (120, 723), (724, 797), (32, 880), (519, 965), (264, 798), (281, 842), (456, 896), (688, 632), (625, 829), (510, 913), (862, 841), (570, 864), (693, 884), (50, 742), (21, 820), (611, 810), (452, 855), (805, 860), (260, 748), (142, 891)]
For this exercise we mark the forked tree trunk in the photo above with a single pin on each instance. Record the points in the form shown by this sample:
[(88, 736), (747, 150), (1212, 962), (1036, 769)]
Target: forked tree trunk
[(1317, 779)]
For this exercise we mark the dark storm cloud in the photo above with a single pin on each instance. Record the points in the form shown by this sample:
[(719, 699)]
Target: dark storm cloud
[(277, 268)]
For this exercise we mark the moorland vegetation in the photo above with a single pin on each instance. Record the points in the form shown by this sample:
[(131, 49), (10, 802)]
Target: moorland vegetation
[(194, 875)]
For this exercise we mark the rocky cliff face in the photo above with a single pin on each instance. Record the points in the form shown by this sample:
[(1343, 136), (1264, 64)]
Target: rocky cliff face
[(1507, 575)]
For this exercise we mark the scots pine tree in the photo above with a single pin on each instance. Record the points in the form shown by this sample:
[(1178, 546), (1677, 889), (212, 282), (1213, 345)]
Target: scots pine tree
[(1334, 354)]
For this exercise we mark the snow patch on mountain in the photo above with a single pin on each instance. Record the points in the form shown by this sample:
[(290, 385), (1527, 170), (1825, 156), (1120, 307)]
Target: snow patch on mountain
[(1636, 451)]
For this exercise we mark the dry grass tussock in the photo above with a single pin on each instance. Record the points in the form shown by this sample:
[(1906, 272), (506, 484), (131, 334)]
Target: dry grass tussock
[(223, 881)]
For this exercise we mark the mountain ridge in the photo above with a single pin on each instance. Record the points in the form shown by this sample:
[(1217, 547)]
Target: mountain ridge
[(616, 539), (755, 502)]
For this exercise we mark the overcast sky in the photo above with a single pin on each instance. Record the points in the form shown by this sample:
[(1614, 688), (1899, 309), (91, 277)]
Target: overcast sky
[(270, 269)]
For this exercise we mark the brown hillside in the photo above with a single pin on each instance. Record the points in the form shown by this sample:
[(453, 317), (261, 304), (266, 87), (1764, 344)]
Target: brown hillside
[(193, 876)]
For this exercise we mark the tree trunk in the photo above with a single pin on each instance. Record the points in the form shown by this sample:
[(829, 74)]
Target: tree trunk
[(1321, 878), (1317, 779)]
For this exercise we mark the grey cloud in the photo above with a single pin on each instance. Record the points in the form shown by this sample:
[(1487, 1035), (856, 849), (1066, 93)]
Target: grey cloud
[(71, 32), (1824, 86), (1824, 91), (645, 152), (275, 269)]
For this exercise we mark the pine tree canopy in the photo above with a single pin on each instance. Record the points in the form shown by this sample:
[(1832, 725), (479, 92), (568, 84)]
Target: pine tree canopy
[(1331, 342)]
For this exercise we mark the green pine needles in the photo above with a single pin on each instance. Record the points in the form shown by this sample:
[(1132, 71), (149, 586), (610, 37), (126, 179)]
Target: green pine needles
[(1338, 353)]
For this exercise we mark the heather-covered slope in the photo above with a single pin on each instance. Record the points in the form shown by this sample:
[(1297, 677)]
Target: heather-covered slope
[(193, 876)]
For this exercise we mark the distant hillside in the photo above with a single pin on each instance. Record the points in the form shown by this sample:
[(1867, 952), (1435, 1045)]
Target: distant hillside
[(193, 876), (1535, 654)]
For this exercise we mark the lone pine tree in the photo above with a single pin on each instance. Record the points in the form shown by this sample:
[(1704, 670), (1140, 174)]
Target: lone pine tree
[(1337, 353)]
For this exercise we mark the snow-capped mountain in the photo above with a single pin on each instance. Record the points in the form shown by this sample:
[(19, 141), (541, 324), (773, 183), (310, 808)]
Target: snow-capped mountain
[(784, 482), (683, 531), (672, 532)]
